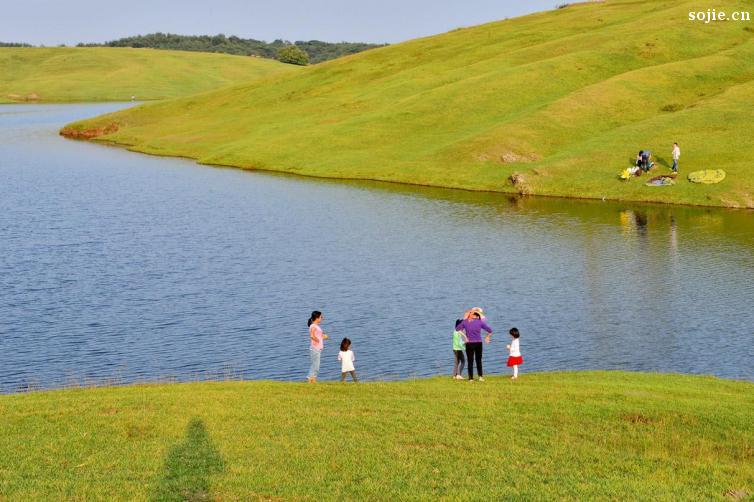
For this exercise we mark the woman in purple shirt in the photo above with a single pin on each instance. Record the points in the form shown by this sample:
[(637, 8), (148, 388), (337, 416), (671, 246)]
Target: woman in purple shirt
[(473, 327)]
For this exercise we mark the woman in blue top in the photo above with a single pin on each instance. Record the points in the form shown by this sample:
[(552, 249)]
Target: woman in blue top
[(473, 326)]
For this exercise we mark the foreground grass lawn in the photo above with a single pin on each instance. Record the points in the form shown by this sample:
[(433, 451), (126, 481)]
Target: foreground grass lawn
[(64, 74), (590, 435), (559, 101)]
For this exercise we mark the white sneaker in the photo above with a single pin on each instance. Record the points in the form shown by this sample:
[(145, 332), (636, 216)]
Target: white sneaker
[(481, 379), (458, 377)]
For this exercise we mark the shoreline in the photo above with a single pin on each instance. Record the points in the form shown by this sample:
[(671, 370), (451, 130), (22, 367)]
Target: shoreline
[(75, 135), (171, 382)]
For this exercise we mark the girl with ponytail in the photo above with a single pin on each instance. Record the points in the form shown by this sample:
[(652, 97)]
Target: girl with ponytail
[(317, 338)]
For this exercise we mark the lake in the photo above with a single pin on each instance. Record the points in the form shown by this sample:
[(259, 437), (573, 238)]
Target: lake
[(120, 267)]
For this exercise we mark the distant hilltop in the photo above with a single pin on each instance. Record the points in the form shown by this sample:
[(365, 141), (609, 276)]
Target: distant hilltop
[(316, 50), (92, 74)]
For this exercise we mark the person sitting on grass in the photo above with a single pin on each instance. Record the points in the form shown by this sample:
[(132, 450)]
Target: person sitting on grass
[(639, 161), (646, 161), (346, 358)]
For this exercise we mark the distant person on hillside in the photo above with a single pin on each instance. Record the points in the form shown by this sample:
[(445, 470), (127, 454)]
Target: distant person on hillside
[(473, 327), (676, 156), (346, 358), (514, 353), (459, 346), (317, 339), (646, 160)]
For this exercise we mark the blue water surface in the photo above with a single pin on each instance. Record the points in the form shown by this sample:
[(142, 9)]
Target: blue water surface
[(121, 267)]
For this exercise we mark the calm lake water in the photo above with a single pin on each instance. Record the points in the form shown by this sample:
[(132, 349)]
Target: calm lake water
[(116, 265)]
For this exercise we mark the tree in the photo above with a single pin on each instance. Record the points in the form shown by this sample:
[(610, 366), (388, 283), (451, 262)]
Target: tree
[(316, 50), (293, 55)]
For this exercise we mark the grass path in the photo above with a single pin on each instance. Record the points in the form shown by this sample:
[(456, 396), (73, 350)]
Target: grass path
[(565, 436)]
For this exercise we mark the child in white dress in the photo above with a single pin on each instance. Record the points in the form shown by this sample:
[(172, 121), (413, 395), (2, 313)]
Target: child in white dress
[(346, 358)]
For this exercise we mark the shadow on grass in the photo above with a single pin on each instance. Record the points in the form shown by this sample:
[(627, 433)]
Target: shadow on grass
[(189, 466), (661, 161)]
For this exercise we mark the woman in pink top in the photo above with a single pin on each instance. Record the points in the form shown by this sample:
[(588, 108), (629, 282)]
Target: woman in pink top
[(317, 338)]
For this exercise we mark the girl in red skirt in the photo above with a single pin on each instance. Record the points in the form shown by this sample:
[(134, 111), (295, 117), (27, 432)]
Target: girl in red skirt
[(514, 354)]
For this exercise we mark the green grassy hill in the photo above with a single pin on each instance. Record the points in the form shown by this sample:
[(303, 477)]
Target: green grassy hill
[(562, 99), (549, 436), (63, 74)]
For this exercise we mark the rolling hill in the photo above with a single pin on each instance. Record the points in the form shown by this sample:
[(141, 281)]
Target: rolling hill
[(64, 74), (554, 103)]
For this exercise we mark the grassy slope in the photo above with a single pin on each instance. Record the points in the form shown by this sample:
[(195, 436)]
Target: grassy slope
[(577, 436), (115, 74), (578, 90)]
